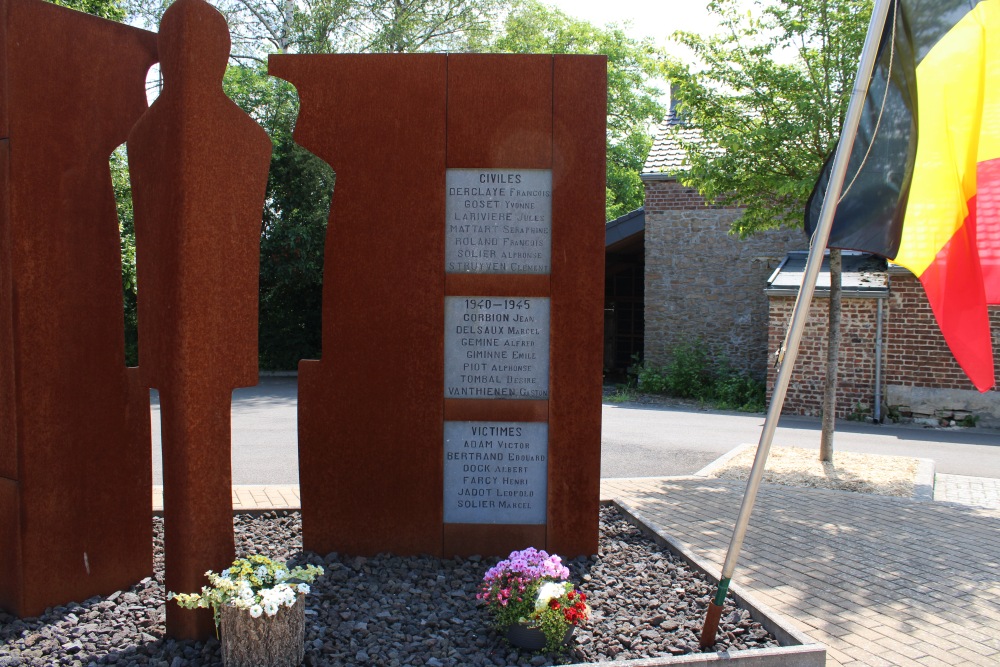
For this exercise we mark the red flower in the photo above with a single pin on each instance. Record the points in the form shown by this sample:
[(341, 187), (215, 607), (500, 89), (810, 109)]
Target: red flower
[(571, 595), (583, 597), (554, 604)]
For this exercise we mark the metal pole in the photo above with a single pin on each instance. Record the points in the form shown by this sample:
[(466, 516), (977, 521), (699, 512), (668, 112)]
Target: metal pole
[(878, 364), (801, 311)]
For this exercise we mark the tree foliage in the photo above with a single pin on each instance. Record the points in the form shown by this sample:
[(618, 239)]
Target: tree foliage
[(633, 98), (299, 185), (293, 233), (260, 27), (769, 100), (768, 94), (113, 10)]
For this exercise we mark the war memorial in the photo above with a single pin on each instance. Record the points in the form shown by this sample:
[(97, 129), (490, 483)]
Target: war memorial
[(456, 407)]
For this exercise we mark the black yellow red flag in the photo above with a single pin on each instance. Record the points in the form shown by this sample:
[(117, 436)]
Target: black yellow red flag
[(923, 182)]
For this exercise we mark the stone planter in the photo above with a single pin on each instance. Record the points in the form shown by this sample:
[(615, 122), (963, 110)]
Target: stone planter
[(267, 641), (530, 638)]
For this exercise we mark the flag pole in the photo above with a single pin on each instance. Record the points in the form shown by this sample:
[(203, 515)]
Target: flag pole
[(800, 313)]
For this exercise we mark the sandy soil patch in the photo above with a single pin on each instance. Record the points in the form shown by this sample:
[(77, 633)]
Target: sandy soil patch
[(861, 473)]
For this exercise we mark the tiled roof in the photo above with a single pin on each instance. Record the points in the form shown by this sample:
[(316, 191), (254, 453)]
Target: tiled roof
[(666, 155)]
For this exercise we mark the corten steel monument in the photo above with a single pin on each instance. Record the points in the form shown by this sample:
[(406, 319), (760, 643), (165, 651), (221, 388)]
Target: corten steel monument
[(199, 172), (75, 483), (457, 405)]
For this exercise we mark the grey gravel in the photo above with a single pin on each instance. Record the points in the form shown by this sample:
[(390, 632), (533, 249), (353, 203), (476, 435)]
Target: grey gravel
[(394, 611)]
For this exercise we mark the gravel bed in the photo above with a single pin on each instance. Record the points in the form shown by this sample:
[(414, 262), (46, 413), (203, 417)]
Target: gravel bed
[(389, 610)]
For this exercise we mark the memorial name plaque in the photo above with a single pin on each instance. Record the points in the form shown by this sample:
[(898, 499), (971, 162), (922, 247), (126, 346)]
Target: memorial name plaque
[(496, 347), (495, 472), (498, 221)]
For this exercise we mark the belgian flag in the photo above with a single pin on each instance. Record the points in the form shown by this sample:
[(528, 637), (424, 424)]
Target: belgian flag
[(923, 181)]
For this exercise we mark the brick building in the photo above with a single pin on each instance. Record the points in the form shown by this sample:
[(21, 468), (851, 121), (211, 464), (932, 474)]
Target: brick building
[(893, 360), (700, 283)]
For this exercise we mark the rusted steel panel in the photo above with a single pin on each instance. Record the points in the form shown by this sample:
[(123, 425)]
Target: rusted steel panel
[(370, 411), (199, 172), (72, 87), (499, 111), (578, 191)]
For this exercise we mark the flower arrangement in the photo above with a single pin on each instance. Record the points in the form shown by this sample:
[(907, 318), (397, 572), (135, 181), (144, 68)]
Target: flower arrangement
[(257, 584), (530, 587)]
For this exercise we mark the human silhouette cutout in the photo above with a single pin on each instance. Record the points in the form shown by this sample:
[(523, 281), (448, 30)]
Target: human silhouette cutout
[(199, 169)]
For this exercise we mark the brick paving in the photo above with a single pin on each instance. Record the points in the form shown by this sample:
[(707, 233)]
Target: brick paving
[(977, 491), (880, 581), (252, 498)]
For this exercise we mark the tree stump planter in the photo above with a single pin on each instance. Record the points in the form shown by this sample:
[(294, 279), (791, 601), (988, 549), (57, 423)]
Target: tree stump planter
[(267, 641)]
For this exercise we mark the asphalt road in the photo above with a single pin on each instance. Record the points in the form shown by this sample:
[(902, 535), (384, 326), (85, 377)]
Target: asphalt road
[(637, 441)]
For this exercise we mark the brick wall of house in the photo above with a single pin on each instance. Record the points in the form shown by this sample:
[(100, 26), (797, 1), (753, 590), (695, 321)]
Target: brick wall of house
[(856, 361), (916, 353), (920, 378), (703, 283)]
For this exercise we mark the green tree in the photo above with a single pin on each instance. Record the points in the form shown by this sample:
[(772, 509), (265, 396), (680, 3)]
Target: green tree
[(293, 233), (126, 231), (769, 94), (633, 98), (113, 10), (260, 27)]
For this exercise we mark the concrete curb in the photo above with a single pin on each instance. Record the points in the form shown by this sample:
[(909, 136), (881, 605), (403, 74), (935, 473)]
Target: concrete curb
[(797, 649), (923, 485), (724, 460)]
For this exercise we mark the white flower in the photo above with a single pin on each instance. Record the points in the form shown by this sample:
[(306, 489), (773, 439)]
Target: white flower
[(246, 592), (549, 591), (256, 611), (280, 575), (271, 607), (260, 572), (303, 588)]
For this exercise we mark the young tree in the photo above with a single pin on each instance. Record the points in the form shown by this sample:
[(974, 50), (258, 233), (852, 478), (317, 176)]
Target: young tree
[(633, 99), (769, 94)]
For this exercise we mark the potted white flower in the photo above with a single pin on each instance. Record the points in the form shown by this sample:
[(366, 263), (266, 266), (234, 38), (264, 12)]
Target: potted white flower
[(259, 609)]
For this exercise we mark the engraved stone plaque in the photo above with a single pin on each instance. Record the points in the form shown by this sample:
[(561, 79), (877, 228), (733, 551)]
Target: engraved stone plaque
[(496, 347), (498, 221), (495, 472)]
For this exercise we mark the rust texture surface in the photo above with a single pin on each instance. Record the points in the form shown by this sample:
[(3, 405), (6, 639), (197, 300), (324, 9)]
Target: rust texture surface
[(71, 86), (469, 539), (370, 411), (499, 111), (578, 174), (199, 172)]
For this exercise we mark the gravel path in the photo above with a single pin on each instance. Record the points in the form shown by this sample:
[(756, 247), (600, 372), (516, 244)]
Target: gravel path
[(388, 610)]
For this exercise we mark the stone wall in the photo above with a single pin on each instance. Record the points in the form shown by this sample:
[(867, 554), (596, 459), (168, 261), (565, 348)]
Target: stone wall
[(704, 284)]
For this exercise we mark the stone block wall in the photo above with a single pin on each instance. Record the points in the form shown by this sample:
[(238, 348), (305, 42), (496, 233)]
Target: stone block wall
[(856, 360), (702, 283)]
